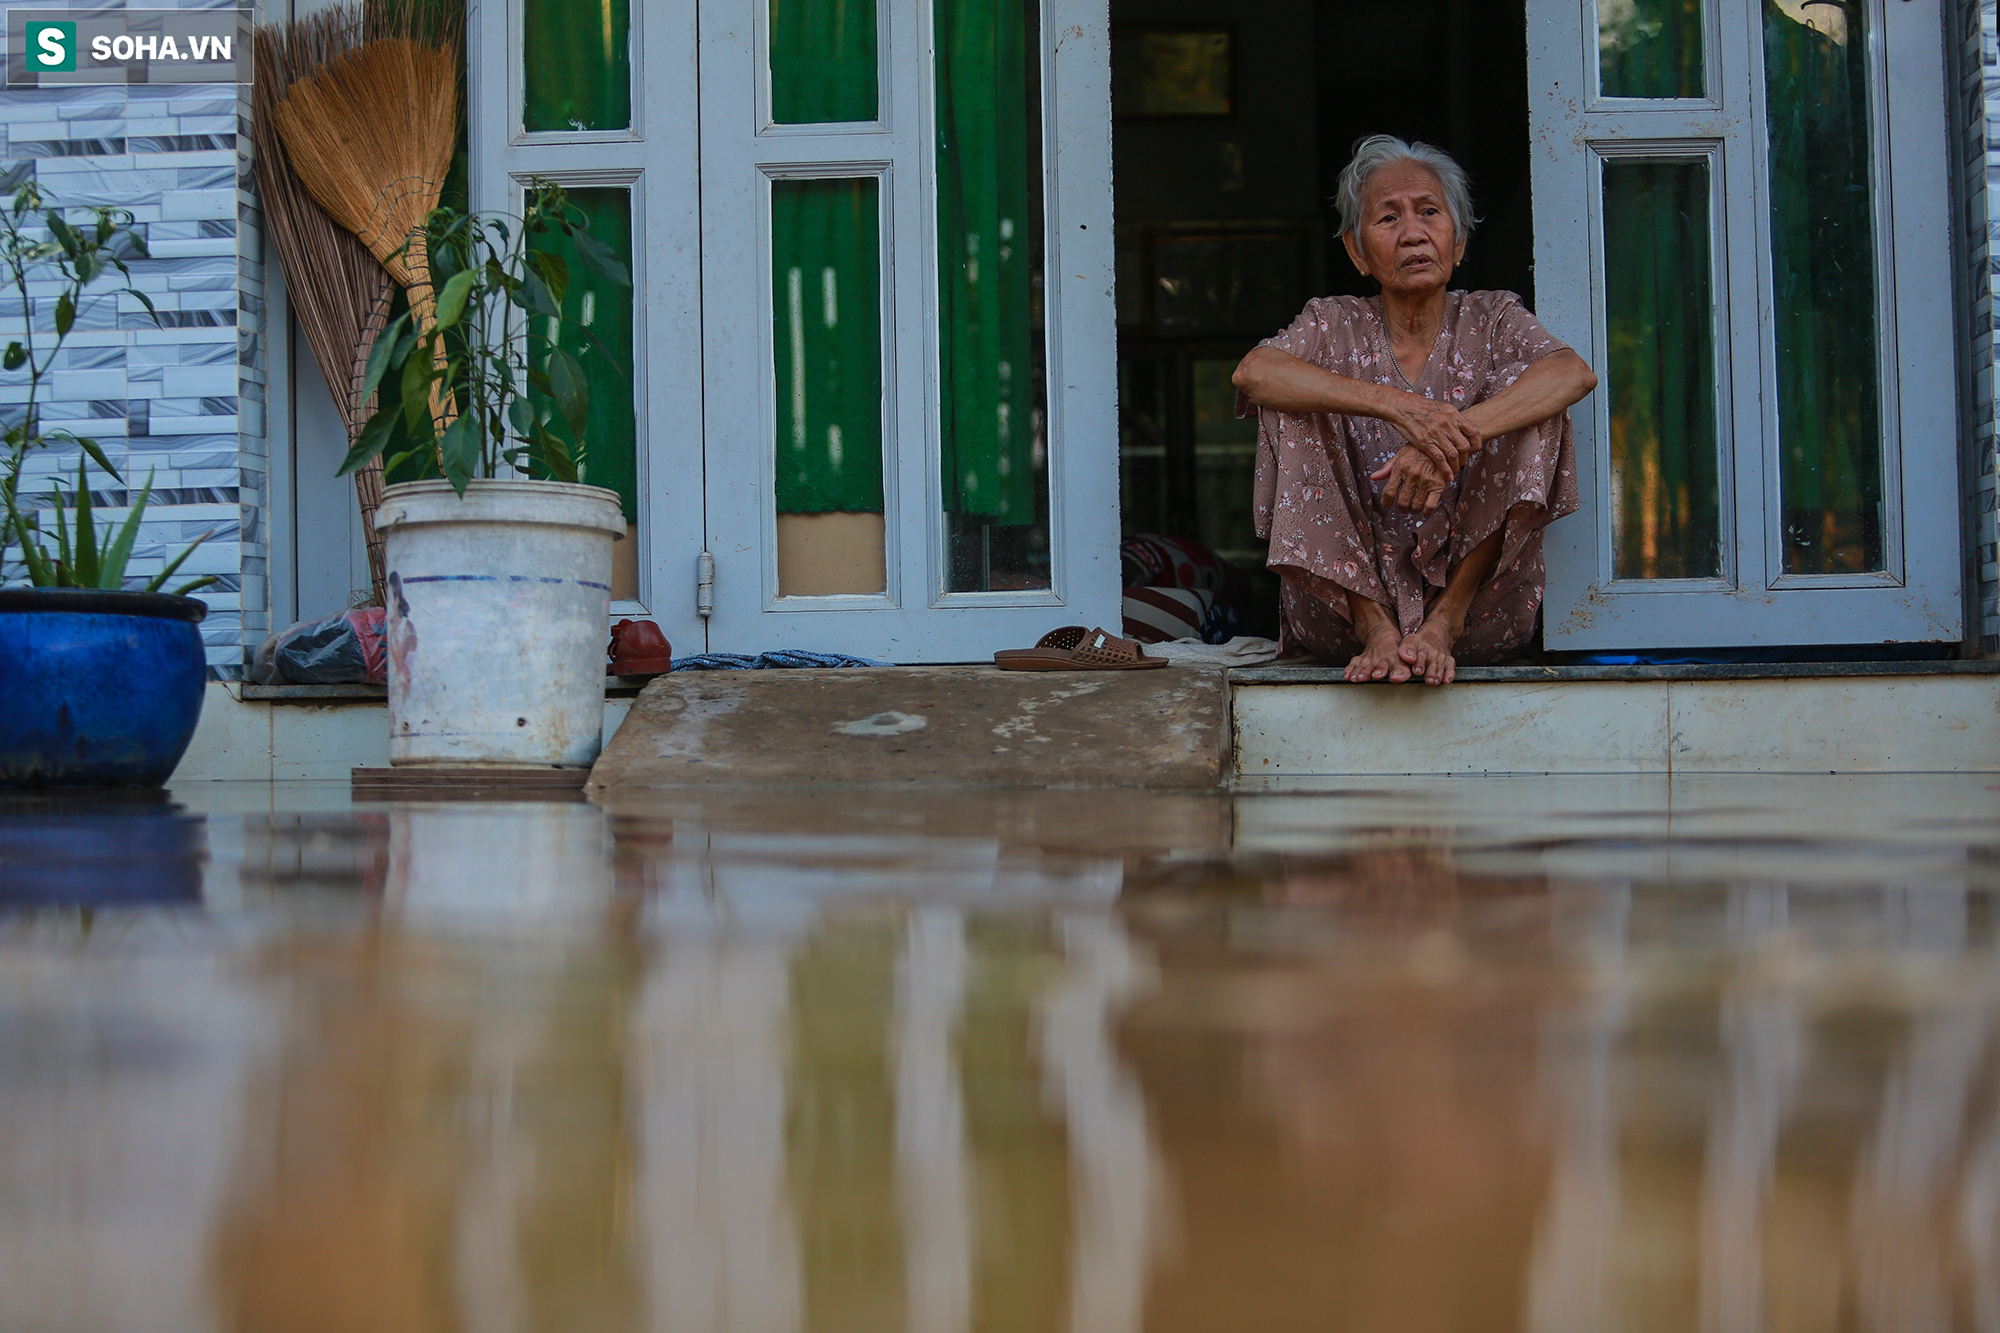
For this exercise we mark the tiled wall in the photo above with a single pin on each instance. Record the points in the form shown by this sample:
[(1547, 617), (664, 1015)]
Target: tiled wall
[(1980, 90), (182, 400)]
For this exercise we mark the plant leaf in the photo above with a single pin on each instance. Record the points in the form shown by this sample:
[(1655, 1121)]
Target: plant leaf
[(451, 300), (538, 298), (89, 446), (570, 390), (65, 314), (459, 452), (65, 234), (87, 564), (17, 356), (553, 269), (160, 578), (598, 255), (37, 560), (374, 437), (191, 585), (390, 349), (416, 382), (112, 575), (64, 576)]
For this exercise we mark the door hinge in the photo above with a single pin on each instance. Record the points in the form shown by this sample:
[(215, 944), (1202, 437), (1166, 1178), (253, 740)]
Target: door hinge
[(704, 585)]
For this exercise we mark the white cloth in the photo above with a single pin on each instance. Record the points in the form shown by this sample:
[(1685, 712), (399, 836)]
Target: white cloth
[(1243, 650)]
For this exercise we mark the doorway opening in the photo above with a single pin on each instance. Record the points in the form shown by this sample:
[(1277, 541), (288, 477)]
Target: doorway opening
[(1230, 126)]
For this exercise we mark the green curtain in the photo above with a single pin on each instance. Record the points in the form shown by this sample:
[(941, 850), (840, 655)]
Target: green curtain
[(986, 249), (604, 344), (1823, 267), (1661, 370), (826, 284), (1651, 48), (577, 74), (823, 61)]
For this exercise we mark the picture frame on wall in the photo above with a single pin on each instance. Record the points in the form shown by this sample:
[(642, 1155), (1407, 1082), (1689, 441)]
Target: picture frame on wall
[(1173, 72)]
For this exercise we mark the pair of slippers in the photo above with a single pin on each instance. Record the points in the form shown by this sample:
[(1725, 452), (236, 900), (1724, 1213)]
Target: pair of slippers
[(1074, 648)]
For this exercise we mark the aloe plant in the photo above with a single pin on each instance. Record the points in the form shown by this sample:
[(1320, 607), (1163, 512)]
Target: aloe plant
[(82, 559), (37, 244)]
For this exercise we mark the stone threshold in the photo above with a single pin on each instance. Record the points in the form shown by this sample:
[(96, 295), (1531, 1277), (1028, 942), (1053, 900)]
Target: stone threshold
[(1878, 717), (615, 687), (1537, 675)]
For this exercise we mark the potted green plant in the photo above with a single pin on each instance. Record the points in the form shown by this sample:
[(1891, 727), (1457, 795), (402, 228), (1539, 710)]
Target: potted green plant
[(103, 673), (498, 571)]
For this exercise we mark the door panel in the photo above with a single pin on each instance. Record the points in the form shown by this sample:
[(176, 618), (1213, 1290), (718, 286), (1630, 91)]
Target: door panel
[(889, 441), (886, 472), (638, 141), (1763, 286)]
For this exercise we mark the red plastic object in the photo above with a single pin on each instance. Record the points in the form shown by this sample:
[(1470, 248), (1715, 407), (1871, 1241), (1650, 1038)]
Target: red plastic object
[(639, 649)]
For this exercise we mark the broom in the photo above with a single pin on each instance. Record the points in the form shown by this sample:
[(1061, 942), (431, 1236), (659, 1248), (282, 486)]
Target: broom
[(371, 134), (339, 291)]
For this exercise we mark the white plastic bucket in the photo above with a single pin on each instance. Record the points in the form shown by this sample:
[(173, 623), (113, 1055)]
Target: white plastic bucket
[(498, 618)]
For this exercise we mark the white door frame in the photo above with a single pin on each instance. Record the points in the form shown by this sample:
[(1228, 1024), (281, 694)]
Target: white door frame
[(701, 147), (915, 619), (1574, 130), (657, 158)]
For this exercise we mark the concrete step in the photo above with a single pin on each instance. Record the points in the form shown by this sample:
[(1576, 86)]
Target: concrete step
[(1844, 718), (924, 726)]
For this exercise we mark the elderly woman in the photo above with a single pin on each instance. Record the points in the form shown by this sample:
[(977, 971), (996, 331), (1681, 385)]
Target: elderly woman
[(1411, 446)]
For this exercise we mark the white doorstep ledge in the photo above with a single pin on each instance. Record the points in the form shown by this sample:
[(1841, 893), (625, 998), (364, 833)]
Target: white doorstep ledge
[(299, 737), (1870, 717)]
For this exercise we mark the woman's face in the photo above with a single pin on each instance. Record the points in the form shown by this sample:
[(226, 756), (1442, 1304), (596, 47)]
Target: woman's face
[(1406, 240)]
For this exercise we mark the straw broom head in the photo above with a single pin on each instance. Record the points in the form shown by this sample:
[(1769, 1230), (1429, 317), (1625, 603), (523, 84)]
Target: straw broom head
[(335, 286), (371, 136)]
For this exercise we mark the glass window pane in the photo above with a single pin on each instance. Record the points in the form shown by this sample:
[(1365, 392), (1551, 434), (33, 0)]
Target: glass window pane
[(1666, 500), (1649, 48), (823, 61), (990, 266), (577, 72), (1823, 270), (597, 326), (827, 334)]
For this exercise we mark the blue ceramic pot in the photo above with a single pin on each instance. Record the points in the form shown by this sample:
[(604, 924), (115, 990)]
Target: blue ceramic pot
[(97, 689)]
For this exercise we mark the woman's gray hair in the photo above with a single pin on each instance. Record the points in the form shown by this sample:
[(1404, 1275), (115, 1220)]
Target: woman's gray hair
[(1379, 150)]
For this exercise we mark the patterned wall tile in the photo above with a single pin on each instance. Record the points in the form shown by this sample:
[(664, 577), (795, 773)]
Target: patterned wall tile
[(165, 397)]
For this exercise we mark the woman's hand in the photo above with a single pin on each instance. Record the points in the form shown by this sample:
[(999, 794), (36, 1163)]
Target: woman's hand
[(1412, 481), (1439, 432)]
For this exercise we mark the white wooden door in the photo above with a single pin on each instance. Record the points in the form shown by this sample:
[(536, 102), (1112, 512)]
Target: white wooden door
[(798, 206), (647, 159), (1741, 218)]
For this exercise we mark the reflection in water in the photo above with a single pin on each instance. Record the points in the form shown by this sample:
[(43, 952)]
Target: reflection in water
[(1636, 1058), (98, 849)]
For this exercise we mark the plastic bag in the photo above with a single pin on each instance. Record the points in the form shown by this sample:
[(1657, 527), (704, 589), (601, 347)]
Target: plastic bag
[(344, 648)]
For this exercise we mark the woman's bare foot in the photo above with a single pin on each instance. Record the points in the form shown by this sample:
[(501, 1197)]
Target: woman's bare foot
[(1428, 651), (1380, 640), (1378, 659)]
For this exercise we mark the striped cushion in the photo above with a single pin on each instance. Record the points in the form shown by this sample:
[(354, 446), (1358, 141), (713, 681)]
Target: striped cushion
[(1157, 615)]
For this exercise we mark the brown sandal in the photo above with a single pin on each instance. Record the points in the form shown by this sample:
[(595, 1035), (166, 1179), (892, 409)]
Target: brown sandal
[(1074, 648)]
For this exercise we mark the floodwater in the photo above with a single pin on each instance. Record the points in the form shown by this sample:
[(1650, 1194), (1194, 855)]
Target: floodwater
[(1412, 1056)]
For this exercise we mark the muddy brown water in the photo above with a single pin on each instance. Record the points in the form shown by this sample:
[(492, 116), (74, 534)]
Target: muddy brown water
[(1412, 1056)]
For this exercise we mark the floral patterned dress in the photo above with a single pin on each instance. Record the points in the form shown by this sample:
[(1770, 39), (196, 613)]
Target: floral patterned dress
[(1323, 514)]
